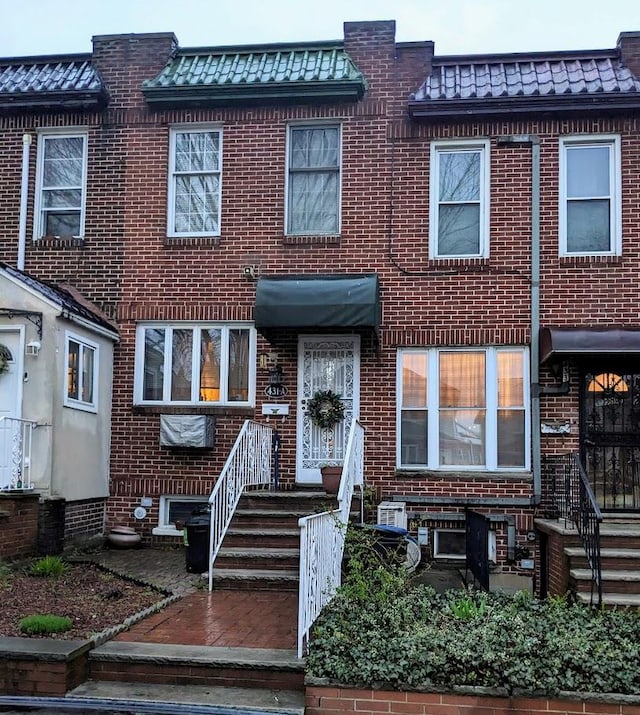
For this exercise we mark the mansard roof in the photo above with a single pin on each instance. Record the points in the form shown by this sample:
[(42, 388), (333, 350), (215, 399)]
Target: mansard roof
[(51, 82), (547, 82), (234, 75)]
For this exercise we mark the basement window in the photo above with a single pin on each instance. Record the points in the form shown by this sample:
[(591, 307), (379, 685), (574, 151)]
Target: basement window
[(175, 509)]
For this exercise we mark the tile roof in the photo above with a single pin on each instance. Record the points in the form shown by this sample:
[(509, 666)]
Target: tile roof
[(34, 81), (563, 78), (65, 296), (283, 72)]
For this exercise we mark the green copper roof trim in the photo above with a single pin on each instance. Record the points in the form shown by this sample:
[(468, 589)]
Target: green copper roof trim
[(290, 74)]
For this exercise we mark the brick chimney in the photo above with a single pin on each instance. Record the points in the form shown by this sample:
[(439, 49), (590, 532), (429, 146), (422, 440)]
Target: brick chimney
[(372, 46), (629, 47)]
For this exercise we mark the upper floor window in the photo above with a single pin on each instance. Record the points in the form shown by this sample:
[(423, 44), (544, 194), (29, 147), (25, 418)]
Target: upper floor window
[(459, 199), (81, 389), (61, 184), (462, 409), (195, 181), (590, 216), (184, 363), (313, 180)]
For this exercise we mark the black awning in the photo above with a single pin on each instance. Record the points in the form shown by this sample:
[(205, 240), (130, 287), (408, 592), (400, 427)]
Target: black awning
[(318, 301), (588, 341)]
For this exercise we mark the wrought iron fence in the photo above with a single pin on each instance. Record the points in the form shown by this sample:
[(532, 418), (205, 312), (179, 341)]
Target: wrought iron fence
[(568, 495), (477, 547), (248, 464), (15, 453), (322, 539)]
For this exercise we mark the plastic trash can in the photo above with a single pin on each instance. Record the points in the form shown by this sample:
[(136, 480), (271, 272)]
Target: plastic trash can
[(198, 529)]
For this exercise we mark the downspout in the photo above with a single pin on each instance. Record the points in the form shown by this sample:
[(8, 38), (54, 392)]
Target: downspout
[(24, 195), (534, 357)]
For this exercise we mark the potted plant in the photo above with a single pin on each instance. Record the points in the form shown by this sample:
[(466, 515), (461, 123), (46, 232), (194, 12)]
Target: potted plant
[(331, 474)]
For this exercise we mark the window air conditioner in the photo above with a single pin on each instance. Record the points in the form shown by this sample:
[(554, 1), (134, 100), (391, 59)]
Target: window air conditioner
[(392, 513)]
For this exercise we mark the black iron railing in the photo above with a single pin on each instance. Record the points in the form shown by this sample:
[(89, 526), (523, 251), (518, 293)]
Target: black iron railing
[(567, 495)]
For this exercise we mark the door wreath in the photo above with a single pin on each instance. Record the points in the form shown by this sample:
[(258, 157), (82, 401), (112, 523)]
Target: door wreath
[(325, 409)]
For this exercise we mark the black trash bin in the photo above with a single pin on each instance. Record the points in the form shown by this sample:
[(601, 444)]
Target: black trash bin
[(198, 528), (388, 542)]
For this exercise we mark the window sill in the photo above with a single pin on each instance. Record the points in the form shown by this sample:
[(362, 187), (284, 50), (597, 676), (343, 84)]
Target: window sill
[(183, 241), (313, 240), (167, 531), (221, 411), (469, 475), (608, 260), (58, 242)]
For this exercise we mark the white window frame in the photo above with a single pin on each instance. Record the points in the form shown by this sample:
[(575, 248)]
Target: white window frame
[(165, 527), (85, 345), (173, 175), (287, 219), (437, 554), (224, 365), (433, 410), (451, 146), (39, 209), (615, 191)]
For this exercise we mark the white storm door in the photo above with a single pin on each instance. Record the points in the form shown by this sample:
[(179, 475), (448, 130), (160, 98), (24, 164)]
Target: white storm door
[(10, 403), (326, 362)]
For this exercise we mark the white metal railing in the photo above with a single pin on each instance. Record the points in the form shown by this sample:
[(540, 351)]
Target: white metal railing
[(15, 453), (322, 541), (248, 464)]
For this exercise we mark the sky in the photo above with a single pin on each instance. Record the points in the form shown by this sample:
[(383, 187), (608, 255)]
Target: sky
[(39, 27)]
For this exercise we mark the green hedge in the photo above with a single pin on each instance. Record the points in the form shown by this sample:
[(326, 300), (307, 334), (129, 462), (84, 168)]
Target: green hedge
[(380, 632)]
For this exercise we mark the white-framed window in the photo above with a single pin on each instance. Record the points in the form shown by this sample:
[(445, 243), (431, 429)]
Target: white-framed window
[(81, 385), (590, 195), (176, 510), (449, 543), (313, 179), (463, 408), (195, 181), (191, 364), (61, 182), (459, 199)]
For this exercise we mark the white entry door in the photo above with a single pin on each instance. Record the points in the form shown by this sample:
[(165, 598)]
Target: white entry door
[(326, 362), (10, 402)]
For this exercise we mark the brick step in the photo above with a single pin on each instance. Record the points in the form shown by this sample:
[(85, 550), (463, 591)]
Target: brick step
[(307, 500), (256, 579), (208, 666), (130, 696), (613, 581), (257, 558), (610, 559), (613, 600), (267, 538), (620, 534), (268, 518)]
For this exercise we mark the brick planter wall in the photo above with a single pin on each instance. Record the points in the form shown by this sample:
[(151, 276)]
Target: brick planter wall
[(18, 525), (321, 700)]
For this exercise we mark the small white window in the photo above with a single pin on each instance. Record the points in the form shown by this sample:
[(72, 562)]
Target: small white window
[(61, 184), (449, 544), (195, 181), (81, 386), (175, 511), (590, 215), (313, 180), (459, 200), (463, 409), (186, 363)]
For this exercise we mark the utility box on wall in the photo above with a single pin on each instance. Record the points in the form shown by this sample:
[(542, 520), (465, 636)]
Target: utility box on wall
[(195, 431)]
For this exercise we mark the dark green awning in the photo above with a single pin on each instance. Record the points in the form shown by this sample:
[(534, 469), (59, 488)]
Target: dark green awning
[(318, 301), (584, 340)]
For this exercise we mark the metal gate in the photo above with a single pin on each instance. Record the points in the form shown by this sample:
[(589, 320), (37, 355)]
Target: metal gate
[(610, 437), (477, 541)]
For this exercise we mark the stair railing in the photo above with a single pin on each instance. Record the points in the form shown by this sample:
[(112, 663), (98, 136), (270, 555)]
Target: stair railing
[(248, 464), (15, 453), (322, 539)]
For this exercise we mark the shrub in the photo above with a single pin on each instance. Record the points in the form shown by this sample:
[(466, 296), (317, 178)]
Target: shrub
[(38, 624), (48, 566)]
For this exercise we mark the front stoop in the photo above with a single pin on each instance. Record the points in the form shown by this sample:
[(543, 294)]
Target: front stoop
[(191, 699)]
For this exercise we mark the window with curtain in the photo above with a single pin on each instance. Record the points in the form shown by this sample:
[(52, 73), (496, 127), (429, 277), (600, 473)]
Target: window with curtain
[(590, 195), (195, 180), (459, 201), (195, 364), (462, 409), (81, 388), (313, 180), (61, 184)]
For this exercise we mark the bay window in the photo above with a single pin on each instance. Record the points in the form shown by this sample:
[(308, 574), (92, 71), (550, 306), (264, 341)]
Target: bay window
[(463, 409)]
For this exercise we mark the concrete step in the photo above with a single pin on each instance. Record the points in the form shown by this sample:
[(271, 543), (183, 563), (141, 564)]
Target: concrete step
[(255, 558), (620, 534), (609, 558), (162, 698), (208, 666), (295, 499), (613, 600), (614, 580), (267, 538), (268, 518), (256, 579)]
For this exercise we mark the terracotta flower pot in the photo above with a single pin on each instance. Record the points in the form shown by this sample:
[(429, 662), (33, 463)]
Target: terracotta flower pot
[(331, 478)]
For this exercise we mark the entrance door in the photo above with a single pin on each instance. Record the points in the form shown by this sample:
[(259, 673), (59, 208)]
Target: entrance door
[(327, 362), (610, 437), (10, 401)]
